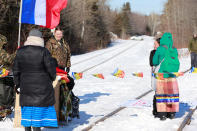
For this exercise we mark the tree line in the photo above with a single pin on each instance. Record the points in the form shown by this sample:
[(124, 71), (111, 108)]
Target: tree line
[(87, 23)]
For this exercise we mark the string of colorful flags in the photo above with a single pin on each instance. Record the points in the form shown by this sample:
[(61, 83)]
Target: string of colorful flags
[(117, 73), (121, 74)]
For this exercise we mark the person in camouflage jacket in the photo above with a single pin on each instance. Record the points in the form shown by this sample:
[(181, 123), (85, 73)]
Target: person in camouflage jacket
[(59, 50), (6, 94), (193, 50), (6, 59)]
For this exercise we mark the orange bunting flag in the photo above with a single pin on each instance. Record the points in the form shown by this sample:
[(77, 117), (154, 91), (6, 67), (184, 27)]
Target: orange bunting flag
[(4, 72), (158, 76), (118, 73), (77, 76), (99, 76), (138, 74)]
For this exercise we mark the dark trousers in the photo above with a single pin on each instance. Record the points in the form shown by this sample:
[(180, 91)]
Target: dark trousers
[(193, 59)]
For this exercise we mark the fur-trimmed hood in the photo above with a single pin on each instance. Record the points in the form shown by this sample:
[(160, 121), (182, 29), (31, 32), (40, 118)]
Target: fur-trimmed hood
[(35, 41)]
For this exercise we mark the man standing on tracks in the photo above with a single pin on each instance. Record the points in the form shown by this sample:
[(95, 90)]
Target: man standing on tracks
[(193, 50)]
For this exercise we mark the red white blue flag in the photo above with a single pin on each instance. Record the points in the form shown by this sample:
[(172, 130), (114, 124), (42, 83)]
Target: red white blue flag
[(42, 12)]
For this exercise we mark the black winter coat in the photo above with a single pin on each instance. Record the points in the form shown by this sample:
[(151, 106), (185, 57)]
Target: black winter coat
[(34, 71)]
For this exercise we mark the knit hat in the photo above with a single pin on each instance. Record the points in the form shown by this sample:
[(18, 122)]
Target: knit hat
[(158, 35), (35, 32)]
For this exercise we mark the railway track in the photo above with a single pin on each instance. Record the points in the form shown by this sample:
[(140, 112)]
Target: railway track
[(106, 60), (87, 59), (187, 119), (113, 112), (185, 122), (120, 108)]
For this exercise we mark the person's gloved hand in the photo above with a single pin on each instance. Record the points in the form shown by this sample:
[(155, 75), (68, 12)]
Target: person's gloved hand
[(68, 69)]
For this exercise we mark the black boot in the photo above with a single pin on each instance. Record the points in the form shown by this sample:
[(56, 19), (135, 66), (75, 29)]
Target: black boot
[(163, 118), (171, 115), (162, 115), (36, 129), (27, 128)]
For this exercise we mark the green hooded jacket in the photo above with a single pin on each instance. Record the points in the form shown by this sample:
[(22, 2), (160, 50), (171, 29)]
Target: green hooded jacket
[(166, 42)]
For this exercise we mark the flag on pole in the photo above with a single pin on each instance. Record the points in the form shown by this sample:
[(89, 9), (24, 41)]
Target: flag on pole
[(99, 76), (42, 12), (118, 73)]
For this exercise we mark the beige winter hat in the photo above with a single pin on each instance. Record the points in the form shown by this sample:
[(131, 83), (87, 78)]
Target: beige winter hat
[(158, 35)]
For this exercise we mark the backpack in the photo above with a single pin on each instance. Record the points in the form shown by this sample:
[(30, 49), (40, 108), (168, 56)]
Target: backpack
[(171, 62)]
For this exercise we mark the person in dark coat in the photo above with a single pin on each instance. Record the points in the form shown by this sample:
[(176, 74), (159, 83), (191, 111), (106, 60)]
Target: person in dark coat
[(156, 45), (34, 71)]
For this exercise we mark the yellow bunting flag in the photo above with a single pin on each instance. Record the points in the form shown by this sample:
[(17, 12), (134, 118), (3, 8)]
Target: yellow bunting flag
[(194, 70), (3, 72), (77, 76), (177, 74), (118, 73)]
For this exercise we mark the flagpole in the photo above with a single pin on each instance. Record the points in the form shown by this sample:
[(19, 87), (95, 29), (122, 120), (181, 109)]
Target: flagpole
[(19, 31)]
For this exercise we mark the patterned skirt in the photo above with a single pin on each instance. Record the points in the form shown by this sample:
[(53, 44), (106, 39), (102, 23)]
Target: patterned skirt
[(167, 95), (38, 116)]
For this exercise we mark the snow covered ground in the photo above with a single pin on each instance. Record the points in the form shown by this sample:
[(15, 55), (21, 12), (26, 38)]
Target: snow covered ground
[(100, 97)]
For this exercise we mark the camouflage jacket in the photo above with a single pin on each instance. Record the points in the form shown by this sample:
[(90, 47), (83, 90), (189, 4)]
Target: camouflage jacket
[(60, 51), (6, 59)]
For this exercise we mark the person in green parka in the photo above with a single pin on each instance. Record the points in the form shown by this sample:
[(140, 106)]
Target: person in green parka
[(193, 50), (167, 92)]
